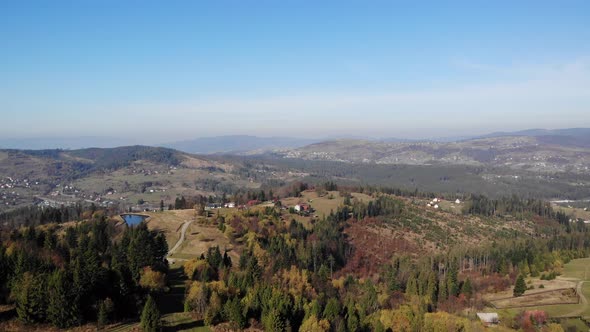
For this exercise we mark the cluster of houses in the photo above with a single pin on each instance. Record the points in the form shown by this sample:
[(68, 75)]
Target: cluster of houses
[(301, 208), (10, 183), (435, 201), (150, 172), (228, 205), (9, 189)]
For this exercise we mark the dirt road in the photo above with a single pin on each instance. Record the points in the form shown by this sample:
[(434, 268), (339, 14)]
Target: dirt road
[(180, 240)]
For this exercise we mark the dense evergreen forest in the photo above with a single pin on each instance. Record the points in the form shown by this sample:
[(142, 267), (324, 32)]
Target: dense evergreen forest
[(81, 275)]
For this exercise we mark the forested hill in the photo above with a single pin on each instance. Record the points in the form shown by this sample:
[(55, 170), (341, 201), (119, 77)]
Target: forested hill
[(92, 159), (69, 176)]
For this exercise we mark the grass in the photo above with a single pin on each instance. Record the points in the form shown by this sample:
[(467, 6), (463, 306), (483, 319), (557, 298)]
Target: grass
[(575, 212), (574, 325), (182, 321), (169, 223), (171, 307), (576, 269)]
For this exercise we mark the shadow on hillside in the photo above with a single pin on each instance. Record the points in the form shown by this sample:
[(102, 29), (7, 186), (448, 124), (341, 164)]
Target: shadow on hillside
[(7, 314), (173, 301), (183, 326)]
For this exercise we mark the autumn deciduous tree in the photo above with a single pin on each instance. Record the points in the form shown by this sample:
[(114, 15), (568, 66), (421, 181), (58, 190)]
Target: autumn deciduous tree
[(152, 280), (197, 299), (443, 322), (312, 324)]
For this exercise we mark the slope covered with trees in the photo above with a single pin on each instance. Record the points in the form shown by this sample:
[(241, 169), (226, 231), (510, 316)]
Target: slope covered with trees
[(81, 274)]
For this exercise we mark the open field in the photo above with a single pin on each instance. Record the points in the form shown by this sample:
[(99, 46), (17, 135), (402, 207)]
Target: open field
[(324, 204), (450, 206), (199, 238), (548, 285), (575, 272), (578, 269), (575, 212), (560, 296), (572, 324), (169, 222)]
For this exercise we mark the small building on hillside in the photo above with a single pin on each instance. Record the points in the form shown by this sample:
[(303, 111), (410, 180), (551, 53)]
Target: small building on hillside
[(301, 207), (230, 205), (457, 201), (488, 318)]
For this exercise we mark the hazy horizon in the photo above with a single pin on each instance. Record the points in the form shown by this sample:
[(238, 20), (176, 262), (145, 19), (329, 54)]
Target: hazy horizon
[(161, 73), (75, 142)]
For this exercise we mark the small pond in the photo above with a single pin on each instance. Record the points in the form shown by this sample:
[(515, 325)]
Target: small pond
[(133, 219)]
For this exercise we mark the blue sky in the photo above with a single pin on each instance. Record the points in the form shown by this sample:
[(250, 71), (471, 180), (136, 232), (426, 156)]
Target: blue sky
[(185, 69)]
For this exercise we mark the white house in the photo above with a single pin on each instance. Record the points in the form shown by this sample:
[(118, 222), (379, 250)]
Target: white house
[(230, 205), (488, 318), (457, 201)]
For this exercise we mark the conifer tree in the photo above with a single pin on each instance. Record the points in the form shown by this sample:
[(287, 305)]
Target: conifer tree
[(31, 298), (150, 316), (467, 289), (103, 315), (62, 309), (442, 290), (519, 286)]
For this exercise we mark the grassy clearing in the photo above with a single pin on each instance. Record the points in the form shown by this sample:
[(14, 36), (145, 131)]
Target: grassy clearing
[(182, 321), (169, 222), (574, 271), (574, 325), (546, 298), (578, 269), (201, 238), (575, 212), (450, 206)]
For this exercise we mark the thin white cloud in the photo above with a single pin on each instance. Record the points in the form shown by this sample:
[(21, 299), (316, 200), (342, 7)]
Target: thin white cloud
[(554, 95)]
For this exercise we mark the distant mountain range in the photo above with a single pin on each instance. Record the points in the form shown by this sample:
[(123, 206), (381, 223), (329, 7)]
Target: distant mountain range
[(237, 144), (246, 144), (574, 132)]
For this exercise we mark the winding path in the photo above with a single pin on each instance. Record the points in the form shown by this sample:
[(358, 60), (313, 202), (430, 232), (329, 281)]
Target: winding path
[(180, 240), (583, 299)]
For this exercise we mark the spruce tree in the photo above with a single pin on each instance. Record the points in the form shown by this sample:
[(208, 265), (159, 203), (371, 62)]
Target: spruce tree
[(31, 298), (467, 289), (150, 316), (62, 309), (443, 294), (519, 286), (103, 315)]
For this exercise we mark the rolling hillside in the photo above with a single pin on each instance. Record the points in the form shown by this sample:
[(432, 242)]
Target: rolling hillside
[(128, 175), (543, 154)]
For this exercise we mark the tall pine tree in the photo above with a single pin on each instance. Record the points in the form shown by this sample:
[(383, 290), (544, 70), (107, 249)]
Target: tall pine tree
[(62, 309), (150, 316)]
